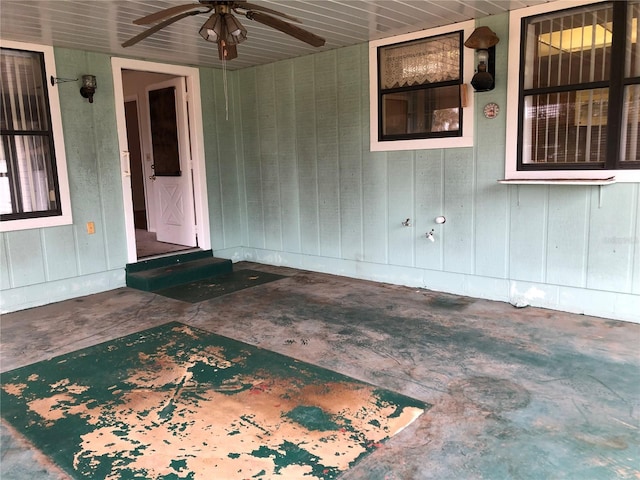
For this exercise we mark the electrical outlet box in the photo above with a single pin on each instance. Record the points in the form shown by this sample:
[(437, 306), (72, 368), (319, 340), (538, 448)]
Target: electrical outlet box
[(91, 228)]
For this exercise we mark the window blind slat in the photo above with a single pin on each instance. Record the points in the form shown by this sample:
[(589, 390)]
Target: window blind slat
[(26, 158), (26, 169)]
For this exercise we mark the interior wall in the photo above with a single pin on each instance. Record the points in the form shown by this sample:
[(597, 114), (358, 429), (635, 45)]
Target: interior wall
[(317, 198)]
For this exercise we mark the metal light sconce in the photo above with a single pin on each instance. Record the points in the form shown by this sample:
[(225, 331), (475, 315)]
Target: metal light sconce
[(57, 80), (483, 40), (88, 87)]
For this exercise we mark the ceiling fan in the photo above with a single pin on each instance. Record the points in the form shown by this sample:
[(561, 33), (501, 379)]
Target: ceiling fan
[(222, 27)]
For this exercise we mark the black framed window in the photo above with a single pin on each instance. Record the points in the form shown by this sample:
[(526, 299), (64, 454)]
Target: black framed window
[(419, 84), (579, 99), (28, 176)]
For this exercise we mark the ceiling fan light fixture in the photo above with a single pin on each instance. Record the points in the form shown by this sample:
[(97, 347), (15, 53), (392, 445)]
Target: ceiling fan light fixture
[(213, 28), (222, 27), (236, 33)]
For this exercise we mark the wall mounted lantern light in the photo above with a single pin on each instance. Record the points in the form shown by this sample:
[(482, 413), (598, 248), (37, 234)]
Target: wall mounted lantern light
[(483, 40), (88, 87)]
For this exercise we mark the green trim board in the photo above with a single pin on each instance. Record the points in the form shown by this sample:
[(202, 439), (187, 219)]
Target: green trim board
[(168, 260), (178, 402), (30, 296)]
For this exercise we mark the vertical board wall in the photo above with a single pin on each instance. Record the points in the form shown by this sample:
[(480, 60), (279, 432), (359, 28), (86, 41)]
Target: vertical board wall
[(41, 266), (317, 198), (46, 265), (291, 181)]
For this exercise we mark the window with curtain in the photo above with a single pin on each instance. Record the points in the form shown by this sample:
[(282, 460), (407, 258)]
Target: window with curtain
[(417, 91), (420, 88), (28, 176), (579, 99)]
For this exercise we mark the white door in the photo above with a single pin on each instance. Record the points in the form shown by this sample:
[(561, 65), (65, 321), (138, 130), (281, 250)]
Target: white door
[(171, 160)]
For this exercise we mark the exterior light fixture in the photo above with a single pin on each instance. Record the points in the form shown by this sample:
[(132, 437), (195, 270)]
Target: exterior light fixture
[(57, 80), (88, 87), (483, 40)]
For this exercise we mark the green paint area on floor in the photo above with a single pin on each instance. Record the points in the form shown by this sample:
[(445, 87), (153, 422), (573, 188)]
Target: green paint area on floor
[(217, 286), (178, 402)]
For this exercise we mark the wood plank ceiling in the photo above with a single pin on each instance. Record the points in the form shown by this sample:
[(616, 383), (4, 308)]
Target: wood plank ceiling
[(102, 25)]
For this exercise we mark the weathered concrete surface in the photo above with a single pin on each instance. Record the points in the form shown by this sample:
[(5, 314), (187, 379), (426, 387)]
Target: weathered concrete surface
[(517, 393)]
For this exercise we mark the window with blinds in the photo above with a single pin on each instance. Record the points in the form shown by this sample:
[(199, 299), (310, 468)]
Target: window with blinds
[(28, 177), (580, 89)]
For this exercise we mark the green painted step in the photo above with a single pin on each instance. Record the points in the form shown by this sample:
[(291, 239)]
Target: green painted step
[(165, 272)]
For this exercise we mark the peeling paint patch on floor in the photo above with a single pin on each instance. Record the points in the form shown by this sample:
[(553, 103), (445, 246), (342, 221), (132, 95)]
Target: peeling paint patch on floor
[(178, 402)]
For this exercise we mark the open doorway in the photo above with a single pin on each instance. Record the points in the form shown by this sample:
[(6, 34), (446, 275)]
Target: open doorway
[(147, 244), (161, 180), (160, 136)]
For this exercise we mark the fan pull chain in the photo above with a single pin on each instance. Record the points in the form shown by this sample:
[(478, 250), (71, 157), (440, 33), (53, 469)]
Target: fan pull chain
[(224, 83)]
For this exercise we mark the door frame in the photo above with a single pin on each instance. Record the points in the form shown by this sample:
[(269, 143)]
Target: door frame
[(134, 98), (192, 78)]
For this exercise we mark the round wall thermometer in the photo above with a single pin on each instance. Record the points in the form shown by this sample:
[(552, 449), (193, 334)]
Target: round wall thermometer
[(491, 110)]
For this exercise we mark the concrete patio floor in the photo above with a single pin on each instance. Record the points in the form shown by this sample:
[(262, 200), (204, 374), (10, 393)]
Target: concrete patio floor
[(516, 393)]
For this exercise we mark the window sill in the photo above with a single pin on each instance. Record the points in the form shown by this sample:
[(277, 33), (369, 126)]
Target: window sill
[(33, 223), (558, 181)]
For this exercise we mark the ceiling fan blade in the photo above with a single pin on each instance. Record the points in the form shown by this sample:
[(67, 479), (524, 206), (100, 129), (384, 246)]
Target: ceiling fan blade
[(155, 28), (166, 13), (251, 6), (227, 51), (293, 30)]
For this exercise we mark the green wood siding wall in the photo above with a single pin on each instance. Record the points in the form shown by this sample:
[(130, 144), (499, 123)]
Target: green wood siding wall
[(316, 197), (50, 264), (291, 181)]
